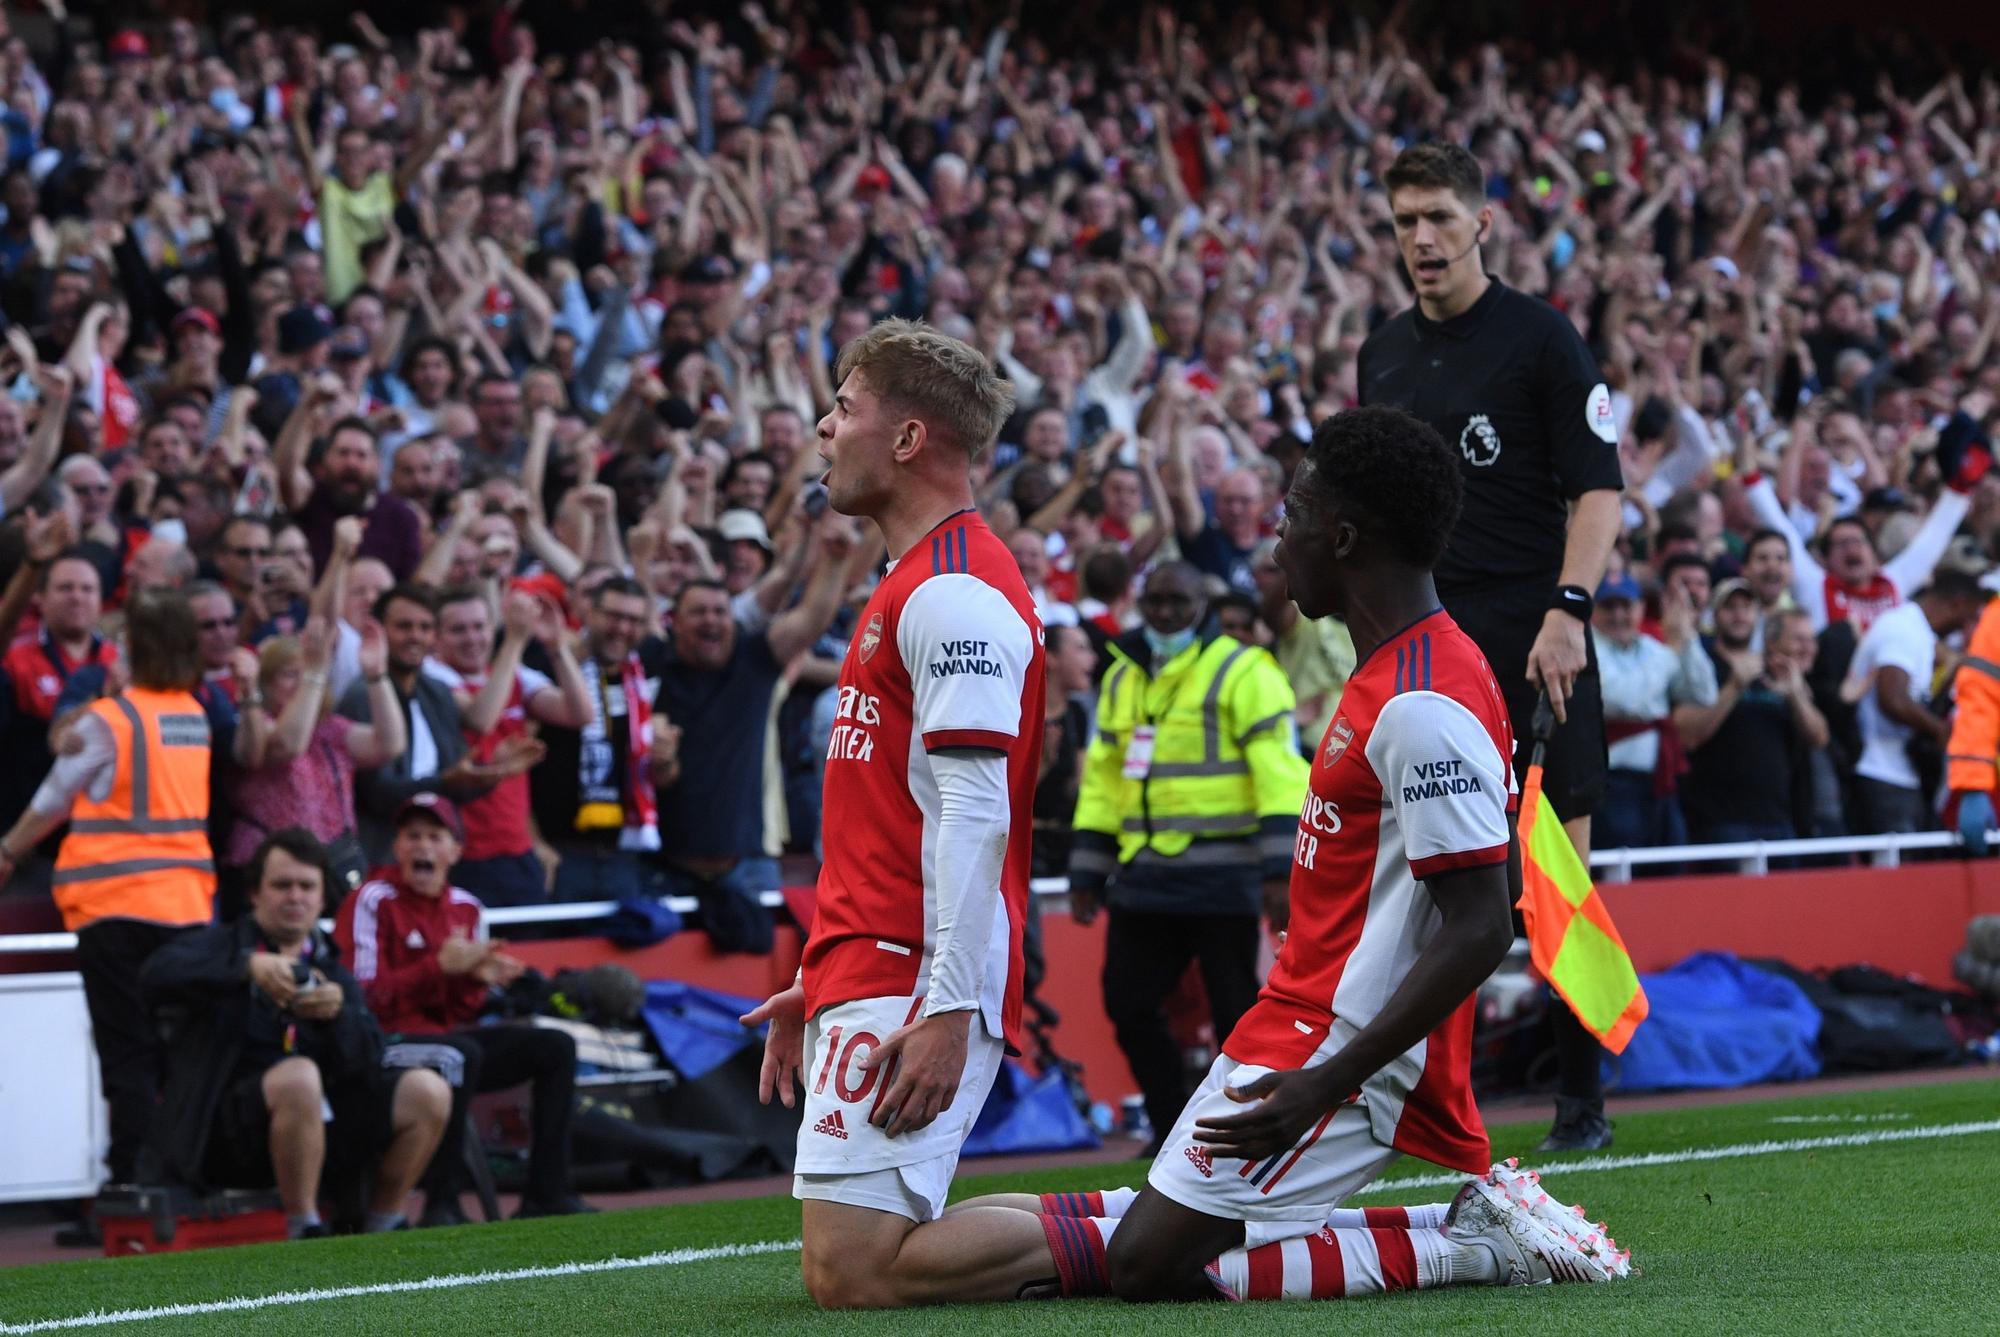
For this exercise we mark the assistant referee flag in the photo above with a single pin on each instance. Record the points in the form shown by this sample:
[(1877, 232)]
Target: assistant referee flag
[(1571, 938)]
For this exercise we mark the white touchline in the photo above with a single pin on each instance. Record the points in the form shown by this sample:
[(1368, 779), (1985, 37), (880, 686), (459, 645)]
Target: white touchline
[(669, 1258), (1590, 1164), (677, 1257)]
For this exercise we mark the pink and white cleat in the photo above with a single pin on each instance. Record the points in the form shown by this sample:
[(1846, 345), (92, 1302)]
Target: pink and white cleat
[(1537, 1239)]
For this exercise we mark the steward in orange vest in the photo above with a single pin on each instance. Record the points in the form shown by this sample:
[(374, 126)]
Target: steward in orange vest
[(135, 870), (1972, 757), (142, 853)]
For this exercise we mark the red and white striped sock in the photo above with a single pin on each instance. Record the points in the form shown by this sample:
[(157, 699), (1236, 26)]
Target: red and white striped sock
[(1338, 1263), (1077, 1245), (1110, 1202), (1428, 1216), (1115, 1202)]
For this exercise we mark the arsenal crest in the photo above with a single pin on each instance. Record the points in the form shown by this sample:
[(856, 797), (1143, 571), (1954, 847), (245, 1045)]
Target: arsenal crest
[(871, 637), (1337, 738)]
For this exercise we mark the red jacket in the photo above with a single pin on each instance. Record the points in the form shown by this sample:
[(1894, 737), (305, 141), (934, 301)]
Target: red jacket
[(38, 670), (391, 937)]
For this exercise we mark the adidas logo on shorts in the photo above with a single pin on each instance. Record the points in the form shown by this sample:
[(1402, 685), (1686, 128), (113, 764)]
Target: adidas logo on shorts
[(833, 1126), (1198, 1157)]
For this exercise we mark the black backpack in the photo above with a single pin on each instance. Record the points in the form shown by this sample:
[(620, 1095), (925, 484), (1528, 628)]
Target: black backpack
[(1872, 1021)]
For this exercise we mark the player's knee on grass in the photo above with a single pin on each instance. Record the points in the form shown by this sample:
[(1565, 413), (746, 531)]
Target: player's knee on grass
[(291, 1085), (838, 1278), (848, 1256), (1140, 1273), (1161, 1247)]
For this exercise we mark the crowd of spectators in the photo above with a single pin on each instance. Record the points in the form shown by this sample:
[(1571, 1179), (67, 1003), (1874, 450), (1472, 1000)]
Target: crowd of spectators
[(466, 378)]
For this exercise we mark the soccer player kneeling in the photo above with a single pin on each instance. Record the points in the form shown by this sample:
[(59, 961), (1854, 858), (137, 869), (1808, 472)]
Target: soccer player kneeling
[(1358, 1048), (911, 981)]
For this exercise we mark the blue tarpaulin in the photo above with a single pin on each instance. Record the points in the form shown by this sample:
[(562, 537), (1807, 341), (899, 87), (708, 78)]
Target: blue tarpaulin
[(641, 921), (697, 1029), (1026, 1114), (1716, 1022)]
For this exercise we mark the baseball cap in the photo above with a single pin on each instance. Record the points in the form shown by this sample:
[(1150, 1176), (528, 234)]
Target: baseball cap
[(1618, 587), (1589, 141), (195, 315), (708, 269), (549, 586), (1964, 554), (436, 808), (743, 526), (349, 341), (303, 327), (1885, 499), (1729, 589), (127, 43)]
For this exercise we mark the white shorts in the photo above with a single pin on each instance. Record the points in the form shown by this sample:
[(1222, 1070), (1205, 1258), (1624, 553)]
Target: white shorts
[(846, 1159), (1283, 1197)]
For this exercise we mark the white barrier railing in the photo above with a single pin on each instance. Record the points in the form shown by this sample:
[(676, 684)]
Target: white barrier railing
[(1754, 856), (1757, 855)]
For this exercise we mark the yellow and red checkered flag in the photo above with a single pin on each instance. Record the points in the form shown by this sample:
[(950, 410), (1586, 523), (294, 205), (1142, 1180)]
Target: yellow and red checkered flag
[(1571, 938)]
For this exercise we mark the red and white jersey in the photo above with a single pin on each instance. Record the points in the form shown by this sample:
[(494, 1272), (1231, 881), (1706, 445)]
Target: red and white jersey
[(1827, 598), (496, 823), (1413, 779), (949, 655), (391, 937), (1859, 604)]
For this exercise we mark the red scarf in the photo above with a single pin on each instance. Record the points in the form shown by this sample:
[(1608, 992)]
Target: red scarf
[(642, 814)]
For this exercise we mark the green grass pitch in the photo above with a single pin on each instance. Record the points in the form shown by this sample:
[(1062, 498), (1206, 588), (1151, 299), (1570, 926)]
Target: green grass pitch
[(1896, 1234)]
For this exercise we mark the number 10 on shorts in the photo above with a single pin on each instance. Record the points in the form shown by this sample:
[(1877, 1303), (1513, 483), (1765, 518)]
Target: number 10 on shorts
[(841, 1062)]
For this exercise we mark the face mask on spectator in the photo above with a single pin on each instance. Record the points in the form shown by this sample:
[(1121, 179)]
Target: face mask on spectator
[(1165, 647)]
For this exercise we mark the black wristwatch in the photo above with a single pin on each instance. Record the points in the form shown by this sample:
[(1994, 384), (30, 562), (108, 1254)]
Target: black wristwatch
[(1574, 600)]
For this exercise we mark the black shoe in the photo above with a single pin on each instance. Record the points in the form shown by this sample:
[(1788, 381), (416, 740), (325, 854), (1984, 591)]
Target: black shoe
[(318, 1230), (83, 1234), (1580, 1126), (567, 1205), (443, 1212)]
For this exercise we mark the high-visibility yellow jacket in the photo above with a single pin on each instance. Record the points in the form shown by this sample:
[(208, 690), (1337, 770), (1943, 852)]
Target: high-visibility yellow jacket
[(1973, 755), (1214, 812)]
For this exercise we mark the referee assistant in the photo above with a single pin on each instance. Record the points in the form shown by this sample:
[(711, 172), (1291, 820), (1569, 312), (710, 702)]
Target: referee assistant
[(1505, 378)]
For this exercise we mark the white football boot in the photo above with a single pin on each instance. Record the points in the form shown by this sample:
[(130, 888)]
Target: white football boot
[(1536, 1239)]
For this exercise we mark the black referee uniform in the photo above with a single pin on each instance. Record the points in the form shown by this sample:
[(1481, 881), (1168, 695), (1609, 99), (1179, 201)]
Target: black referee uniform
[(1509, 383)]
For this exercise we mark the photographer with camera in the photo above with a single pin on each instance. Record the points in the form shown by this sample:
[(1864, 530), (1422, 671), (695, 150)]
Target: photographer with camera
[(273, 1056)]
